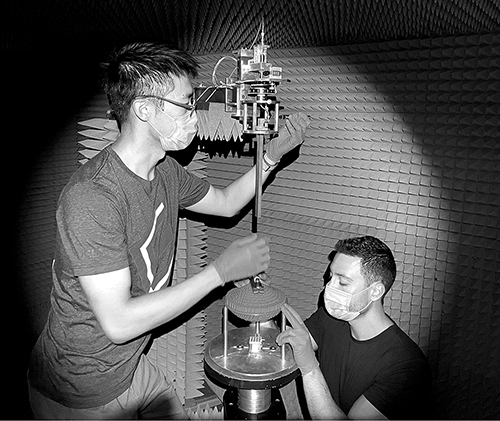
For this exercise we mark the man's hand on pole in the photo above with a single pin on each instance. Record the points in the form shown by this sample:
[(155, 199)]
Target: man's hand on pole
[(299, 339), (243, 258), (291, 135)]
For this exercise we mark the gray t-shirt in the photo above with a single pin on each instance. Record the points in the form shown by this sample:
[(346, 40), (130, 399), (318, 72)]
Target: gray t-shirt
[(108, 218)]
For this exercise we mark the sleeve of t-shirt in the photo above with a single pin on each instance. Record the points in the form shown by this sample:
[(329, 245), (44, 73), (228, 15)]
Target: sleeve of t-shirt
[(401, 390), (91, 231), (191, 188), (313, 323)]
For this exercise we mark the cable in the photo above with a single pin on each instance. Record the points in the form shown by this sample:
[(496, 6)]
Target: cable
[(214, 71)]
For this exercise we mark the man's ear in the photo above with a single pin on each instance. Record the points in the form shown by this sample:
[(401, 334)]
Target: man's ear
[(378, 291), (142, 109)]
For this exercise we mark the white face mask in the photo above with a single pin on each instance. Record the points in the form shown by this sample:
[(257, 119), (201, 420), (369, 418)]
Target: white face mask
[(339, 303), (183, 134)]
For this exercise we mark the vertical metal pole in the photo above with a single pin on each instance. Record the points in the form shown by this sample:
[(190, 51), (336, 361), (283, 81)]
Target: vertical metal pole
[(283, 327), (258, 175), (224, 332)]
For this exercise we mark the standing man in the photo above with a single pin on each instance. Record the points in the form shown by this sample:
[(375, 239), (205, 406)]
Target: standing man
[(366, 366), (115, 247)]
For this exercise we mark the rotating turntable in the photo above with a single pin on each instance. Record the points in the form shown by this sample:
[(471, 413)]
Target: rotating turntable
[(247, 361)]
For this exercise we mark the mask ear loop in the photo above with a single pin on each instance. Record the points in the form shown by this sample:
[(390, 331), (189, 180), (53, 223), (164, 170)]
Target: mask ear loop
[(370, 302), (155, 129), (170, 117)]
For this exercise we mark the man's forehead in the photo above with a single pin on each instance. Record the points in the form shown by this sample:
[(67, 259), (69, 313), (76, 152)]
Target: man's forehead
[(345, 264)]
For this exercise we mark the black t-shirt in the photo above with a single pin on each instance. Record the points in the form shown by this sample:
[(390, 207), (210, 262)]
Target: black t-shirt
[(390, 370)]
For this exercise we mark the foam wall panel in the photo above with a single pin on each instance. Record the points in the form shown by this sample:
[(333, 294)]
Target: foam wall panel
[(403, 145)]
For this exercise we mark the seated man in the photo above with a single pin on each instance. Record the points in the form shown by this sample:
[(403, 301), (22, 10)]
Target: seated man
[(366, 366)]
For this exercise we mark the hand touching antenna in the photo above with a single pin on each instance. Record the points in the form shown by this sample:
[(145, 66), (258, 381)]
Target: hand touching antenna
[(290, 136)]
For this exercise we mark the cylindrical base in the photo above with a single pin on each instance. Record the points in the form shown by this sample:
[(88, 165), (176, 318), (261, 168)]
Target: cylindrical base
[(254, 401), (232, 410), (240, 368)]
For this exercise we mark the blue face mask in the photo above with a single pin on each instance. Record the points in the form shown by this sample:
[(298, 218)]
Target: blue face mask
[(338, 303)]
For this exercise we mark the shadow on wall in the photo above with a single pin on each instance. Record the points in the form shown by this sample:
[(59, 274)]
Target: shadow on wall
[(436, 104), (46, 92)]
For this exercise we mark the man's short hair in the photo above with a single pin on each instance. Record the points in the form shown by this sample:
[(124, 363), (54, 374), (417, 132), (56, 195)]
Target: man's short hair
[(143, 69), (377, 260)]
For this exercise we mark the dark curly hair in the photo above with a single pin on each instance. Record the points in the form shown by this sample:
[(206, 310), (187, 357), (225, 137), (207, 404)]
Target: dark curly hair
[(377, 260), (143, 69)]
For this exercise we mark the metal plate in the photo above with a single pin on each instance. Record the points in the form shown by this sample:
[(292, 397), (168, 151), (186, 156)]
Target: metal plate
[(262, 367)]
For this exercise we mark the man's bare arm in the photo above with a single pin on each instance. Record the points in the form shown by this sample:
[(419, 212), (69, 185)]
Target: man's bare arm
[(123, 317)]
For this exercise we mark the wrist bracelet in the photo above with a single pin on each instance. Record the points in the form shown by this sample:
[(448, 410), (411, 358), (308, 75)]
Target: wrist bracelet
[(266, 163)]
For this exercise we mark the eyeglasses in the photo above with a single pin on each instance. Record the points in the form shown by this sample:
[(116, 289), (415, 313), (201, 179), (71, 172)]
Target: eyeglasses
[(191, 106)]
